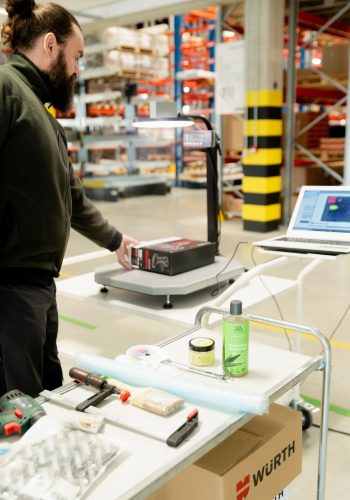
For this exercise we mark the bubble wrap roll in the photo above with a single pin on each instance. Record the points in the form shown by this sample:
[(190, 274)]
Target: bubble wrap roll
[(218, 395)]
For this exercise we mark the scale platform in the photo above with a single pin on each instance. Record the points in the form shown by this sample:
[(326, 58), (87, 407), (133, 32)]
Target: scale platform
[(161, 284)]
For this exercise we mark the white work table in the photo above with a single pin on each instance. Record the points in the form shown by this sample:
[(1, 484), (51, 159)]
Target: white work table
[(251, 287), (185, 306), (146, 463)]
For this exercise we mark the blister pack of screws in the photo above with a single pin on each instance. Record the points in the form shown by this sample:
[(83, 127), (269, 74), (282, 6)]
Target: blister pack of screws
[(60, 467), (83, 421)]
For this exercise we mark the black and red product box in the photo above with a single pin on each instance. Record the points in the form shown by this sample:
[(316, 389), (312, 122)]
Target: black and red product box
[(172, 256)]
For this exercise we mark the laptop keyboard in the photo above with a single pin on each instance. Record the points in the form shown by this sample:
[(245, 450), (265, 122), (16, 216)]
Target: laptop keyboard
[(320, 242)]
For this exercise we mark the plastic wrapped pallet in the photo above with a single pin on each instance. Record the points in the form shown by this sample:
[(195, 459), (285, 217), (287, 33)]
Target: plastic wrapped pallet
[(120, 37)]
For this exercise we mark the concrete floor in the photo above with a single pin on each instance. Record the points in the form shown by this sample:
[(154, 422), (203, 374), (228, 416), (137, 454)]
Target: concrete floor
[(326, 298)]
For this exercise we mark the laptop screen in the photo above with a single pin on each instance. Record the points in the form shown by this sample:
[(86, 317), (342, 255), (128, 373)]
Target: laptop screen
[(327, 211)]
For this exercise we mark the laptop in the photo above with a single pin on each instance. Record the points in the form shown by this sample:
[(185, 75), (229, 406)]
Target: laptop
[(320, 223)]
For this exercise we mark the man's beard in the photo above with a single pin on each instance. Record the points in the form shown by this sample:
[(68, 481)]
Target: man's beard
[(62, 86)]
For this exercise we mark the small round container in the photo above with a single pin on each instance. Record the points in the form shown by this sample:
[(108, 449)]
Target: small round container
[(201, 351)]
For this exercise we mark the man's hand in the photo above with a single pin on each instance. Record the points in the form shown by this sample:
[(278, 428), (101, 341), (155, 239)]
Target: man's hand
[(122, 251)]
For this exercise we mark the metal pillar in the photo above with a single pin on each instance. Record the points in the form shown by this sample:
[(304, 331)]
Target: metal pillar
[(178, 97), (262, 155), (290, 117), (219, 118), (346, 181)]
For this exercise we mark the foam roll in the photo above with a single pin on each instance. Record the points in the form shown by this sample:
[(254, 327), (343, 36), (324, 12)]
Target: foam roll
[(219, 396)]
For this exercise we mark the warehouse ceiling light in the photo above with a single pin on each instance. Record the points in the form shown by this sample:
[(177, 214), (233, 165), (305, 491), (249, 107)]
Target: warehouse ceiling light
[(176, 122), (163, 115)]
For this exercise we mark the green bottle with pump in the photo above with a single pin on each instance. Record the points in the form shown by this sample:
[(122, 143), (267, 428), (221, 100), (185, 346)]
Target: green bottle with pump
[(235, 342)]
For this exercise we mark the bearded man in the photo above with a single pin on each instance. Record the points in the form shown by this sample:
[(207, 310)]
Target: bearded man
[(40, 198)]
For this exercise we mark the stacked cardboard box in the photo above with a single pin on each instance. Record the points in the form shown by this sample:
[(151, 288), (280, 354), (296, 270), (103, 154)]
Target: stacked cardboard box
[(311, 138), (257, 462)]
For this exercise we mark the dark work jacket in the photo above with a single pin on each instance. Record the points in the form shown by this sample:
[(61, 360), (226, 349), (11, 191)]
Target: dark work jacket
[(40, 197)]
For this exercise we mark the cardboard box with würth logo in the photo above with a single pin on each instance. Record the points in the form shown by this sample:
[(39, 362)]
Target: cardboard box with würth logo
[(255, 463)]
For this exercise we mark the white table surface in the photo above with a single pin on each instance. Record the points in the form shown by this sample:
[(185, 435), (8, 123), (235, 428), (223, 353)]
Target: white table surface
[(185, 307), (146, 463)]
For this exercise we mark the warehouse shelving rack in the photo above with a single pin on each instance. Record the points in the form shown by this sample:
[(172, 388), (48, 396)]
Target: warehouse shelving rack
[(339, 95)]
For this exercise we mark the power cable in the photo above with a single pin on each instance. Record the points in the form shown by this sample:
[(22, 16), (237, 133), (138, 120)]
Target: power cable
[(333, 430), (339, 323), (274, 299), (222, 285)]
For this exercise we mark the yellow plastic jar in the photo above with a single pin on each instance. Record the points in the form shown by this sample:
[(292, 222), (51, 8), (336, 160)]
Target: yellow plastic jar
[(201, 351)]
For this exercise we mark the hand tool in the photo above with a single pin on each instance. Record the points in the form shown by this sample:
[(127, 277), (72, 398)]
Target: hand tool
[(199, 371), (18, 412), (184, 430), (99, 383), (127, 423)]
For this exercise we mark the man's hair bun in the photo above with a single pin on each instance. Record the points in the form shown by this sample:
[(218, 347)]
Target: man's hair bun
[(21, 8), (27, 21)]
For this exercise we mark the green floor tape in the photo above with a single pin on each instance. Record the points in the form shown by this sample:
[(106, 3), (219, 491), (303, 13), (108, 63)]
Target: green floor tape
[(77, 322), (344, 412)]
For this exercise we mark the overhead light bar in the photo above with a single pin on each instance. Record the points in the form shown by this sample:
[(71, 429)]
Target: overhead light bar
[(163, 115), (177, 122)]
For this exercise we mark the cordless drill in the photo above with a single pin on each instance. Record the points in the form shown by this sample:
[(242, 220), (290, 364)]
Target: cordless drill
[(18, 412)]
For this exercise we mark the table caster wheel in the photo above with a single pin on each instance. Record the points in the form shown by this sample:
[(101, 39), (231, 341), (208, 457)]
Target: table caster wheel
[(168, 304), (306, 419)]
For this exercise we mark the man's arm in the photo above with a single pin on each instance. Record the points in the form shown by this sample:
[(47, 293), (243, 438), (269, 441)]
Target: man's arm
[(88, 221), (6, 111)]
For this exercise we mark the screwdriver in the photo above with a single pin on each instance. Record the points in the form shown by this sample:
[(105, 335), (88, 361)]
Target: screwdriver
[(99, 383)]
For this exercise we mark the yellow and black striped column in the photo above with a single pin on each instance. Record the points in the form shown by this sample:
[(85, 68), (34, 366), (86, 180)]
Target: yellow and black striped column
[(262, 159)]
